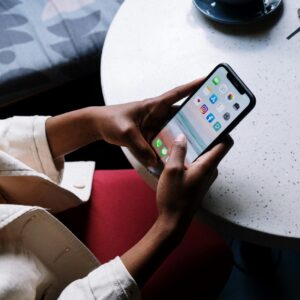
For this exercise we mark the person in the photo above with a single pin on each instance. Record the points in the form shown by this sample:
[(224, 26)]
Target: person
[(39, 257)]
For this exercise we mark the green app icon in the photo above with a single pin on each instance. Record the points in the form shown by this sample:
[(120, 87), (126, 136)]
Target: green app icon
[(216, 80), (158, 143), (217, 126), (163, 151)]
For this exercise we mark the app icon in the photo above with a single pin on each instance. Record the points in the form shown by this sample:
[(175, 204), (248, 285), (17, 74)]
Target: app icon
[(216, 80), (203, 109), (217, 126), (198, 101), (220, 107), (230, 96), (226, 116), (213, 98), (223, 88), (210, 117), (236, 106), (207, 90), (158, 143), (164, 151)]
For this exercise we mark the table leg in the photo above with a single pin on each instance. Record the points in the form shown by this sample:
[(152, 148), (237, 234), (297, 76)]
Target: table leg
[(256, 260)]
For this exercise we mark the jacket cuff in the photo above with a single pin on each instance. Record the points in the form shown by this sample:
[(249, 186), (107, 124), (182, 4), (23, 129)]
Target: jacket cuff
[(50, 167), (113, 274)]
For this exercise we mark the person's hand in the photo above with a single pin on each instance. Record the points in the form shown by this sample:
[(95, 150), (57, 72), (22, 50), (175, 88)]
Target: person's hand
[(134, 124), (180, 188), (179, 193)]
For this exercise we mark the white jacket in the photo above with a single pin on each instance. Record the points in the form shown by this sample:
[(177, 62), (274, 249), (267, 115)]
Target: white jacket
[(31, 182)]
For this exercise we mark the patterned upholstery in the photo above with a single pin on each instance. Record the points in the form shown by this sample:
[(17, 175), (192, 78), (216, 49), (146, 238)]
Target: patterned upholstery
[(44, 43)]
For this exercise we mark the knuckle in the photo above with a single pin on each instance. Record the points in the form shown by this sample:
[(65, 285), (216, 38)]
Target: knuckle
[(177, 92), (128, 131), (147, 104), (180, 145), (205, 166), (174, 170)]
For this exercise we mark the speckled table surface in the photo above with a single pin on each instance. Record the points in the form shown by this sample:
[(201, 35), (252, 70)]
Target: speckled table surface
[(155, 45)]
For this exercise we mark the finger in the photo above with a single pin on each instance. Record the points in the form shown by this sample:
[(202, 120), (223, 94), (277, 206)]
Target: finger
[(174, 109), (160, 118), (177, 156), (213, 177), (142, 150), (210, 180), (206, 184), (209, 161), (180, 92), (213, 157)]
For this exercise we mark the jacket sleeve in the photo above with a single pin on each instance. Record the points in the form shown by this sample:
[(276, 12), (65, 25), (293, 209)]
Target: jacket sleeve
[(25, 139), (110, 281)]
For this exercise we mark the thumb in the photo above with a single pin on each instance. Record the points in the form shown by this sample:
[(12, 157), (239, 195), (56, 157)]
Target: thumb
[(142, 150), (178, 153)]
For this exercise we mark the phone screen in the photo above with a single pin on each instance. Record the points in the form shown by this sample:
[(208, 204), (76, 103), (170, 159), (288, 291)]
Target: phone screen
[(214, 106)]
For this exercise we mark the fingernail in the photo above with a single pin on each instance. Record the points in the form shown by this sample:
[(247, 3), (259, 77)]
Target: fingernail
[(180, 138), (229, 141)]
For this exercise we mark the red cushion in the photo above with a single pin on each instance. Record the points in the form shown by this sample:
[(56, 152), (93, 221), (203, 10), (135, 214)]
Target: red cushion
[(121, 210)]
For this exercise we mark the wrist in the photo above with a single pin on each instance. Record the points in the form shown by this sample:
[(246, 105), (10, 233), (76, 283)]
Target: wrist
[(172, 229), (157, 244), (93, 117)]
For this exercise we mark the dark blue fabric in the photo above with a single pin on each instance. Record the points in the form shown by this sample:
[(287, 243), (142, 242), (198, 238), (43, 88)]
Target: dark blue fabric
[(44, 43)]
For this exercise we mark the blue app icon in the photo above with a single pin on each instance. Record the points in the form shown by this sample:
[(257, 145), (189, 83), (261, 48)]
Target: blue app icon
[(210, 117), (213, 98)]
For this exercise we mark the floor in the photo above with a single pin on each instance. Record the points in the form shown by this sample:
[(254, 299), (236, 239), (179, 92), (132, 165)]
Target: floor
[(282, 283)]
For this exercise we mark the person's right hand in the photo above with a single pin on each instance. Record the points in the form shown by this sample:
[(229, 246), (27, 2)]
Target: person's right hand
[(180, 189), (179, 192)]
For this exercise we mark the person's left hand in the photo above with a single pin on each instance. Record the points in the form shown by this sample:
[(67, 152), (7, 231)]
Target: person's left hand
[(134, 124)]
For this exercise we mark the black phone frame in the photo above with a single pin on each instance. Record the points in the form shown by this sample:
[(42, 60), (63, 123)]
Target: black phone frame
[(234, 123)]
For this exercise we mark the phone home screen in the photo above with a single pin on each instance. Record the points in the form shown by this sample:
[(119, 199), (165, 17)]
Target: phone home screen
[(204, 117)]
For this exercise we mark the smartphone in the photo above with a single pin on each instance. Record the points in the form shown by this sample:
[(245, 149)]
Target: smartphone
[(210, 113)]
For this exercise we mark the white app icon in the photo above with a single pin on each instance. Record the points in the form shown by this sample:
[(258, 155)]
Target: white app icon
[(198, 101), (223, 88), (207, 90), (164, 151), (220, 107)]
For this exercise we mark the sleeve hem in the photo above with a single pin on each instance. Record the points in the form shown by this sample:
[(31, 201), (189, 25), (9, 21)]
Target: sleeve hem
[(113, 281), (50, 167), (124, 279)]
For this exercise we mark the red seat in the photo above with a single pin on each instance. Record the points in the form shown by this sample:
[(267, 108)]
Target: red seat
[(121, 210)]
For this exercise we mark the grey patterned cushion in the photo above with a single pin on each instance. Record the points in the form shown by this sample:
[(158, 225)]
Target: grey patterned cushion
[(44, 43)]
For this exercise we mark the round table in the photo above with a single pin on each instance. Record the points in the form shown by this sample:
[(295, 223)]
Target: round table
[(153, 46)]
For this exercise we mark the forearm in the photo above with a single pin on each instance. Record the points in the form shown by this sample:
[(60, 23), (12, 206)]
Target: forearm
[(72, 130), (143, 259)]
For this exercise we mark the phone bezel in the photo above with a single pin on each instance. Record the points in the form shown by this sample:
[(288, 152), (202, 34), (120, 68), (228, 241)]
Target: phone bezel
[(233, 124)]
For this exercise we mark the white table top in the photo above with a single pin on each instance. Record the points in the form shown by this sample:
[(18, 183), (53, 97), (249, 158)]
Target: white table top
[(153, 46)]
